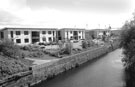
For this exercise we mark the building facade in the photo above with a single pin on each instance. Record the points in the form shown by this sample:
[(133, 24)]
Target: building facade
[(71, 34), (25, 36), (97, 33)]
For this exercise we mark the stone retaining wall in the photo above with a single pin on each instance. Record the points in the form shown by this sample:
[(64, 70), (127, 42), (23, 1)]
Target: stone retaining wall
[(48, 70)]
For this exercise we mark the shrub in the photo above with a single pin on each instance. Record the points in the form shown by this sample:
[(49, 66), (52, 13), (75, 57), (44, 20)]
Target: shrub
[(8, 48), (10, 66), (56, 53), (84, 44), (37, 54), (31, 48), (90, 43), (68, 48)]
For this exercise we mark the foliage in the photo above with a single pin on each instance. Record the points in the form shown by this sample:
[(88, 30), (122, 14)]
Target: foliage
[(30, 48), (60, 44), (90, 43), (9, 66), (84, 44), (68, 47), (128, 44), (8, 48), (37, 54)]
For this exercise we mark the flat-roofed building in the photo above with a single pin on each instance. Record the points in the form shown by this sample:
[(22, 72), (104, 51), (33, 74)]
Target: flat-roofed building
[(25, 36), (71, 34)]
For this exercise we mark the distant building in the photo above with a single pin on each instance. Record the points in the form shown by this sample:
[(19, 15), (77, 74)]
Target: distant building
[(90, 34), (25, 36), (71, 33), (116, 32), (97, 33)]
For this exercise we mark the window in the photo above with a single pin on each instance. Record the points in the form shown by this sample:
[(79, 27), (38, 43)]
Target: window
[(43, 32), (18, 32), (26, 32), (71, 37), (18, 40), (44, 39), (2, 35), (71, 32), (11, 32), (49, 32), (26, 40), (50, 39)]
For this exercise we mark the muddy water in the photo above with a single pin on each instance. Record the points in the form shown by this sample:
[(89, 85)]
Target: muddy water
[(107, 71)]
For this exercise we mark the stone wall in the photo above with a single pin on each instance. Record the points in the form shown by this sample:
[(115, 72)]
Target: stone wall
[(48, 70)]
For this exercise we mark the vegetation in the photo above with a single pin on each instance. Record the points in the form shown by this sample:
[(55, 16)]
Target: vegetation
[(84, 44), (11, 59), (68, 47), (128, 45), (9, 49)]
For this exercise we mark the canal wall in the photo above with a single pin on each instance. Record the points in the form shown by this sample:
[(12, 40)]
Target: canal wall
[(48, 70)]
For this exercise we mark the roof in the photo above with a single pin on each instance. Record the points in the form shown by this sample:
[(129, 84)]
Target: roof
[(22, 28), (72, 29)]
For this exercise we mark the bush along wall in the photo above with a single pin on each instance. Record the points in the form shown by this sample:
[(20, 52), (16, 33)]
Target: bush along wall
[(48, 70)]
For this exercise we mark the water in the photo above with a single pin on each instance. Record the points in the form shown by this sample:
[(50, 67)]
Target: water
[(107, 71)]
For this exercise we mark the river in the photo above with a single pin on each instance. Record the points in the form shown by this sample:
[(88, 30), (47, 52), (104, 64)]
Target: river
[(106, 71)]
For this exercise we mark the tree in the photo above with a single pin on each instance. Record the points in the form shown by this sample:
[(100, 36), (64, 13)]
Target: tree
[(128, 44)]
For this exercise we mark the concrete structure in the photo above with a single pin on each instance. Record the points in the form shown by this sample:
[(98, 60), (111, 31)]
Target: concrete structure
[(25, 36), (97, 33), (71, 34), (90, 34)]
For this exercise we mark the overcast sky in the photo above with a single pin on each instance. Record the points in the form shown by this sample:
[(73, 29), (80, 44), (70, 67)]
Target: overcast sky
[(66, 13)]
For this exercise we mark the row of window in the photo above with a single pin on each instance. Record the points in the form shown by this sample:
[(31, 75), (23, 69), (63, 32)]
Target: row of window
[(19, 32), (27, 40), (26, 32), (19, 40), (49, 32), (72, 32), (78, 37)]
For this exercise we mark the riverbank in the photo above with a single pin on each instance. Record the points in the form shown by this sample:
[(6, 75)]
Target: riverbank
[(48, 70)]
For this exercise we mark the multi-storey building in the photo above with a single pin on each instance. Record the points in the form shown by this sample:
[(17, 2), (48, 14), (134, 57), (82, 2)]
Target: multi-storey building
[(97, 33), (25, 36), (71, 33)]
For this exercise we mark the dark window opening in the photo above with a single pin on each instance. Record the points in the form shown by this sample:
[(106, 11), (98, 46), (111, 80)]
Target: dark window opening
[(53, 33), (18, 40), (75, 35), (2, 35), (35, 34), (11, 32), (71, 37), (44, 39), (43, 32), (26, 40), (26, 32), (18, 32), (49, 32), (50, 39)]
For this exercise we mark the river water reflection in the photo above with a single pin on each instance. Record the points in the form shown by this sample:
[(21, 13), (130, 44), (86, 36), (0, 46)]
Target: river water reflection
[(107, 71)]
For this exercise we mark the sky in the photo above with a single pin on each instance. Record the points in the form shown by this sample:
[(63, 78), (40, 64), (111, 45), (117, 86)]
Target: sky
[(66, 13)]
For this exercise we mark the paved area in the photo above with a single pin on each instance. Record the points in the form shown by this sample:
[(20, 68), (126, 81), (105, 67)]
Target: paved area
[(40, 61)]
